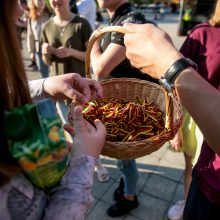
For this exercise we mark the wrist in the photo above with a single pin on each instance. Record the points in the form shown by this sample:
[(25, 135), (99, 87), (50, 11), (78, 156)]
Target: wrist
[(71, 52), (174, 71), (167, 63), (44, 86)]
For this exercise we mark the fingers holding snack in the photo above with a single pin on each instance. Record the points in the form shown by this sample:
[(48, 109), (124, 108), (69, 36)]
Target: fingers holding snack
[(88, 139)]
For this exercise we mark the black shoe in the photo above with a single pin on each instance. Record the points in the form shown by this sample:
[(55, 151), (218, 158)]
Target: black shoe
[(34, 68), (33, 64), (122, 207), (119, 192)]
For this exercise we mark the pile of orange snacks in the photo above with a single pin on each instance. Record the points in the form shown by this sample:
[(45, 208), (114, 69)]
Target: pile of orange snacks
[(126, 121)]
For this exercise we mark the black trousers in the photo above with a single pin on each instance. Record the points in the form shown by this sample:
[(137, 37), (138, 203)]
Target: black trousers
[(198, 207)]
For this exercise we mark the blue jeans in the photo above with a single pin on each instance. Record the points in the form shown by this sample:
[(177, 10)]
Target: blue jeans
[(42, 67), (131, 175)]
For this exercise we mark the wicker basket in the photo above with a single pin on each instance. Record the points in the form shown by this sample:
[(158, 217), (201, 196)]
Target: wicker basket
[(129, 89)]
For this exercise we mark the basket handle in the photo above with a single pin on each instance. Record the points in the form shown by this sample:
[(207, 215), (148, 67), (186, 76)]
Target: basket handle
[(97, 34)]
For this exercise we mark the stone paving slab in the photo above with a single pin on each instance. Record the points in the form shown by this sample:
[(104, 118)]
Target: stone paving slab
[(159, 186)]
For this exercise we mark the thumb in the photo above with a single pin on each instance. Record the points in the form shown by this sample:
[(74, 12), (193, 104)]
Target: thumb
[(78, 121), (68, 129), (75, 95), (100, 127)]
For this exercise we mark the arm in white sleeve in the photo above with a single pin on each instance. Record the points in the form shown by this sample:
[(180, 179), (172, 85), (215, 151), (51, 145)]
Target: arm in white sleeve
[(36, 89)]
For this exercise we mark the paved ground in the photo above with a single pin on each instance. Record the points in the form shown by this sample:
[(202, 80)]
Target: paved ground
[(161, 173)]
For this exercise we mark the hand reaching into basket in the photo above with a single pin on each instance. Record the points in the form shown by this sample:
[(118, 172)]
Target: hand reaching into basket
[(72, 86)]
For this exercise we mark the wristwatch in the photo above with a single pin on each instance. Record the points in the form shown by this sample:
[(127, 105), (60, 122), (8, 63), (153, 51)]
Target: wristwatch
[(167, 81)]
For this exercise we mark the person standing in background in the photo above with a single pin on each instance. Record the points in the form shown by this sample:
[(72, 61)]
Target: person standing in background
[(188, 140), (64, 40), (87, 9), (187, 16), (20, 19), (108, 60), (38, 16)]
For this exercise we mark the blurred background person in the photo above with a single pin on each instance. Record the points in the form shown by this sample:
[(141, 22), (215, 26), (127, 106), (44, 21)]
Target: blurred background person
[(20, 19), (87, 9), (187, 17), (38, 16), (64, 41), (188, 140)]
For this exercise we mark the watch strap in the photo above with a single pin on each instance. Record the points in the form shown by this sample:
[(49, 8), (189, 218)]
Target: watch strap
[(173, 72)]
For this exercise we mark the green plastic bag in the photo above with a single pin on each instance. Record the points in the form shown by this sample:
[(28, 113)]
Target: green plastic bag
[(36, 140)]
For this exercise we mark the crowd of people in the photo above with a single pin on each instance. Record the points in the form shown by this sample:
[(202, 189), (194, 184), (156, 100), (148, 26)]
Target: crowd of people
[(57, 39)]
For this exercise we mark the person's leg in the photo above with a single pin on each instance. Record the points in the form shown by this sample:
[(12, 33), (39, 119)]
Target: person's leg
[(187, 174), (125, 194), (131, 175), (198, 207), (176, 211), (42, 67), (189, 146), (102, 172)]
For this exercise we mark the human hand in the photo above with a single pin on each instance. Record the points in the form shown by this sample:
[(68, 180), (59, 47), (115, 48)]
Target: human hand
[(149, 49), (95, 88), (177, 141), (47, 49), (88, 139), (63, 52), (71, 86)]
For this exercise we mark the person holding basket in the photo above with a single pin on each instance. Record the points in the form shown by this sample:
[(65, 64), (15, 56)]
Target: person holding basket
[(109, 61)]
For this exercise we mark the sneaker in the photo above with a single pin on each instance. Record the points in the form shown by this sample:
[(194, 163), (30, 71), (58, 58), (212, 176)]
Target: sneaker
[(122, 207), (176, 211), (33, 66), (119, 192), (102, 173)]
